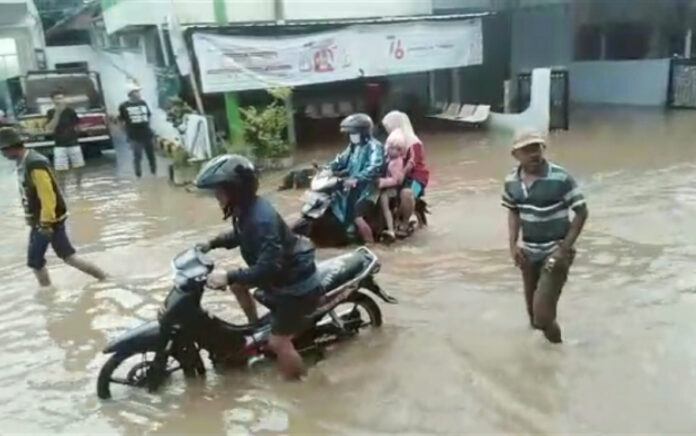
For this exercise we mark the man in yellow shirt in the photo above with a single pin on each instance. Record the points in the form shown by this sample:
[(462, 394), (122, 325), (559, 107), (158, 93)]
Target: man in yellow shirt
[(44, 208)]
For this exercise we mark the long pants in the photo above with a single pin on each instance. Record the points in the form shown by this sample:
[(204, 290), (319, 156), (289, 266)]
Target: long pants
[(138, 146)]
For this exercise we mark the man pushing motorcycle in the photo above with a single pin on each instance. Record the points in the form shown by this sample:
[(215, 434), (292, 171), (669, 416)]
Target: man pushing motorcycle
[(279, 262), (362, 163)]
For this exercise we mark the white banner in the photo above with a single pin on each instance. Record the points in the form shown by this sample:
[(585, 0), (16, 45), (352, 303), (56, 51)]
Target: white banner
[(236, 63), (416, 47)]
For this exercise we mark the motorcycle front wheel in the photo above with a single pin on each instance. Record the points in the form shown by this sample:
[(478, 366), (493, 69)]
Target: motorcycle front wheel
[(133, 370)]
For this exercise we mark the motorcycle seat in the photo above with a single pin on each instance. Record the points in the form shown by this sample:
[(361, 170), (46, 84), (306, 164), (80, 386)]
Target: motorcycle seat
[(332, 273), (338, 270)]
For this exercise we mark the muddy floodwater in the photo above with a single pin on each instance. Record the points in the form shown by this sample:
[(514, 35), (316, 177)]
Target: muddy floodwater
[(455, 356)]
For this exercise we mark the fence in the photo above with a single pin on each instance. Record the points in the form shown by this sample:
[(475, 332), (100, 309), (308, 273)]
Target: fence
[(681, 89), (559, 99)]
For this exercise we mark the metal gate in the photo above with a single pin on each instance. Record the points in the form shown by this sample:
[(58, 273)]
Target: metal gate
[(681, 90), (559, 100)]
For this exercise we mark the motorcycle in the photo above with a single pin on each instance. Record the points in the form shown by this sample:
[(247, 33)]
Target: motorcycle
[(318, 222), (184, 329)]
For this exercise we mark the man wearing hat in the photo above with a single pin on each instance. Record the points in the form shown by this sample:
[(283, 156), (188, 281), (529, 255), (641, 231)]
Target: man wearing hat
[(44, 208), (135, 114), (539, 196)]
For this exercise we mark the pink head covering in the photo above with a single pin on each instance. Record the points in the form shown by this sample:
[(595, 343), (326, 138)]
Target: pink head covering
[(399, 120), (396, 140)]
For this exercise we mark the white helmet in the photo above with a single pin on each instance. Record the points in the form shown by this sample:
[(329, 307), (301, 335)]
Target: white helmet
[(131, 87)]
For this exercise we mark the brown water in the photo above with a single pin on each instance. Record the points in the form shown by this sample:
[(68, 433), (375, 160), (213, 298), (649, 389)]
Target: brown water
[(456, 356)]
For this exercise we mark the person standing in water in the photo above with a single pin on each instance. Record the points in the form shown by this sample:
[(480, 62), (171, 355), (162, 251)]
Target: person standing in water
[(44, 208), (135, 114), (539, 196), (64, 124)]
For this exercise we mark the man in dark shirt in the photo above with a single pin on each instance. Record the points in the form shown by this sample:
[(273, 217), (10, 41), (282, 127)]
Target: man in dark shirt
[(63, 123), (135, 114), (279, 262)]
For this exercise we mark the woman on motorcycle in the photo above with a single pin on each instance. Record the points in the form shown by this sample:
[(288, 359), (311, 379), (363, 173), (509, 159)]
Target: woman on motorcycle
[(279, 262), (415, 169), (362, 163)]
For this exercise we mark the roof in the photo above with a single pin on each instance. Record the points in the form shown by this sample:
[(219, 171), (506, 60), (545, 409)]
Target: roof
[(335, 22)]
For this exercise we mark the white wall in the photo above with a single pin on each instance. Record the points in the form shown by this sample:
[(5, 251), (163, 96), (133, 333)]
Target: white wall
[(641, 83), (116, 71), (146, 12), (330, 9)]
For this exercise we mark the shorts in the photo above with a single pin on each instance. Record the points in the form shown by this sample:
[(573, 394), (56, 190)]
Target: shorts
[(549, 281), (291, 314), (65, 158), (363, 208), (417, 188), (391, 193), (38, 244)]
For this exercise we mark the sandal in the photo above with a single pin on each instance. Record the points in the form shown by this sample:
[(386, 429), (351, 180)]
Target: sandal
[(388, 236), (403, 232)]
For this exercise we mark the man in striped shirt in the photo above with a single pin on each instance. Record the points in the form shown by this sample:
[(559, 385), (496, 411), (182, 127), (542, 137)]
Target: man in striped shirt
[(539, 197)]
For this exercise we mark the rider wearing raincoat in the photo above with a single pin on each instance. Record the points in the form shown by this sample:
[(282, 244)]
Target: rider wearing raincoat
[(362, 163)]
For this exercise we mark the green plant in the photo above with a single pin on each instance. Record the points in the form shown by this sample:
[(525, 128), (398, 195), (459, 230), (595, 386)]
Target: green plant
[(177, 109), (264, 128)]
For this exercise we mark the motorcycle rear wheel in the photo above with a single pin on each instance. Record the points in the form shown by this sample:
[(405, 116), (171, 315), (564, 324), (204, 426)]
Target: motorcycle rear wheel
[(137, 376), (364, 313)]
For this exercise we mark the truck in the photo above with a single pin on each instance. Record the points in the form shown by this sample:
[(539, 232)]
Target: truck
[(31, 99)]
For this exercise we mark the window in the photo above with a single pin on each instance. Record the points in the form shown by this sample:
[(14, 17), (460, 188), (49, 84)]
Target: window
[(82, 66), (9, 62), (588, 43), (628, 41), (614, 41)]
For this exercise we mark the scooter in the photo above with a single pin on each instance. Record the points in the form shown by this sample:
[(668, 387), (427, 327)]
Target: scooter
[(318, 222), (150, 353)]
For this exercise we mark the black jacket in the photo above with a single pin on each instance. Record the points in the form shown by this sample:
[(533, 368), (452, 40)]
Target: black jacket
[(279, 261)]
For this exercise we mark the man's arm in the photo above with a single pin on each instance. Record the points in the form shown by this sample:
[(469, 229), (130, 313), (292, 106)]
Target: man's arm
[(514, 225), (47, 196), (340, 162), (575, 200), (513, 228), (576, 226), (122, 113), (268, 263), (227, 240), (54, 118), (374, 166)]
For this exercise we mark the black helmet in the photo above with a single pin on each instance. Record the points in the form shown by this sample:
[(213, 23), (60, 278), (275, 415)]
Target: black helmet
[(232, 170), (357, 123), (9, 137)]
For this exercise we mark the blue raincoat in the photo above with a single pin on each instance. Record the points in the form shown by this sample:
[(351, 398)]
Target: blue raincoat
[(364, 163)]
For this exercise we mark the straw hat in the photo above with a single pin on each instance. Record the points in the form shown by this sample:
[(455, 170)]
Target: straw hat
[(9, 137), (525, 138)]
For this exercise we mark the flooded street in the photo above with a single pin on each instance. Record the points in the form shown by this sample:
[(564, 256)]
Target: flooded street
[(455, 356)]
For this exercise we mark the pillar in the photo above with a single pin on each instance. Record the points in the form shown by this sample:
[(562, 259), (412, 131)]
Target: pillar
[(234, 118)]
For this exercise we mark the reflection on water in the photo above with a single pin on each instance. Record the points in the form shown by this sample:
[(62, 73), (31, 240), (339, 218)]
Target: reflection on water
[(455, 356)]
